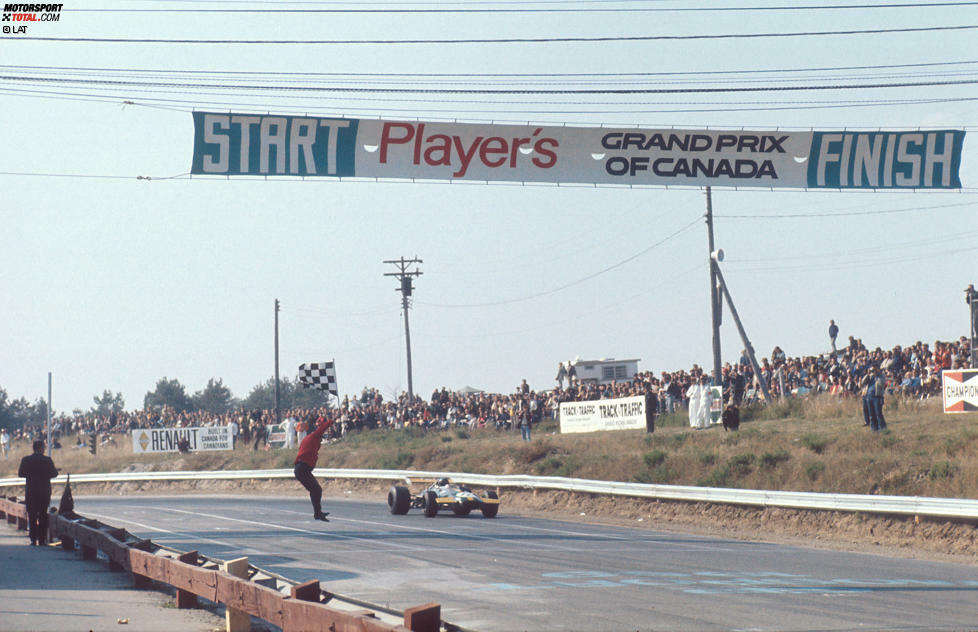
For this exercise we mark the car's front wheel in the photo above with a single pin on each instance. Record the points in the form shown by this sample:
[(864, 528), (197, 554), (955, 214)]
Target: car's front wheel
[(430, 504), (489, 510), (399, 500)]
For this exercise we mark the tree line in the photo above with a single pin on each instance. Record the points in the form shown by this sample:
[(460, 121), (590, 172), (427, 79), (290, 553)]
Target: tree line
[(214, 398)]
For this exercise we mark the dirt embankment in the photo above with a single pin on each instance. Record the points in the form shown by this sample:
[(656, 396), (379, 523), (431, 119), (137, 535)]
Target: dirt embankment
[(903, 536)]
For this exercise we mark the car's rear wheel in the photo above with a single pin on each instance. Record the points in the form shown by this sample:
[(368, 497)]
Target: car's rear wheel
[(490, 510), (399, 500), (430, 504)]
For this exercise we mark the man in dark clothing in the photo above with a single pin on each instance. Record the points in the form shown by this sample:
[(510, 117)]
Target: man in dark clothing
[(877, 391), (305, 463), (38, 469), (730, 418), (833, 334), (651, 407)]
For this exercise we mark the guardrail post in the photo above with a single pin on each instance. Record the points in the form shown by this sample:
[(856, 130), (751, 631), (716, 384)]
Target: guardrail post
[(67, 542), (237, 620), (141, 581), (185, 598), (426, 618), (89, 552), (120, 535), (308, 591)]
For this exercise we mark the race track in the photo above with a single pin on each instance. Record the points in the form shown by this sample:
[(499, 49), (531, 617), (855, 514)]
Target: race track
[(517, 573)]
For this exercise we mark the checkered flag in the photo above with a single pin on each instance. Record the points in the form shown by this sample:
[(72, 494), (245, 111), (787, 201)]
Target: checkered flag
[(321, 375)]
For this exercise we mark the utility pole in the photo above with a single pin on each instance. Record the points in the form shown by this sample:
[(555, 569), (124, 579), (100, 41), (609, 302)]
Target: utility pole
[(725, 291), (50, 413), (971, 296), (404, 276), (715, 297), (278, 412)]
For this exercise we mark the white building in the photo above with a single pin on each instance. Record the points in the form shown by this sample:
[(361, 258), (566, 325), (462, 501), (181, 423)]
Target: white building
[(606, 371)]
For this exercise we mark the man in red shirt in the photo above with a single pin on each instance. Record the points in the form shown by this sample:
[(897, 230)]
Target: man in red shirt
[(305, 463)]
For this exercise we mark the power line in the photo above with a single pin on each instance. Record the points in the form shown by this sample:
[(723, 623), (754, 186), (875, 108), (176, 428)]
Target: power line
[(188, 105), (187, 177), (505, 40), (360, 89), (846, 213), (578, 281), (833, 7), (969, 235), (834, 266), (486, 75), (271, 82)]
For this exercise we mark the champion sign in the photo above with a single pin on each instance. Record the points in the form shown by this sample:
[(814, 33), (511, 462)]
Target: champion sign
[(267, 145), (960, 390)]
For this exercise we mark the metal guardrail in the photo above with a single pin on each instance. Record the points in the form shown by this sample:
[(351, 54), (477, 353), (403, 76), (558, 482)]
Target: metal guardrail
[(957, 508)]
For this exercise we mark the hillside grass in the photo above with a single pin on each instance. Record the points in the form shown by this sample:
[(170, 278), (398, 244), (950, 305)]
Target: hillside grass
[(815, 444)]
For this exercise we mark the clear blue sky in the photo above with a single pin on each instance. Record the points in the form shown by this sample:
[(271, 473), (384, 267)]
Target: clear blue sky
[(113, 283)]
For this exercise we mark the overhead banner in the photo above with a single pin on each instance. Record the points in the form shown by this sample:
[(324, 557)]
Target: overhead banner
[(960, 391), (625, 413), (167, 439), (271, 145)]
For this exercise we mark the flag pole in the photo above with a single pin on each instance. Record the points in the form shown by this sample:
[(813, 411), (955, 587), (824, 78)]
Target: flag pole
[(337, 384), (50, 440)]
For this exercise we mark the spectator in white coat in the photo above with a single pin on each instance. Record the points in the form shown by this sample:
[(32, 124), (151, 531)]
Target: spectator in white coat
[(290, 435), (700, 398)]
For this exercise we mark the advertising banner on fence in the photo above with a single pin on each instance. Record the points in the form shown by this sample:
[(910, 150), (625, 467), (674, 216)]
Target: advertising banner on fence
[(166, 439), (274, 145), (716, 404), (960, 391), (626, 413)]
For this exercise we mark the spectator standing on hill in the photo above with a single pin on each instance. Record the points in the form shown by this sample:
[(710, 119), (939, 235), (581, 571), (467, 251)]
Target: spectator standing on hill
[(651, 407), (290, 431), (739, 385), (523, 417), (730, 418), (4, 442), (561, 375), (700, 397), (245, 424), (833, 334), (571, 374), (668, 394), (877, 391), (38, 469), (305, 463), (864, 384)]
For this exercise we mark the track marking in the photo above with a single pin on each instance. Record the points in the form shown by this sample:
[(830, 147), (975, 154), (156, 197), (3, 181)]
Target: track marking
[(188, 536)]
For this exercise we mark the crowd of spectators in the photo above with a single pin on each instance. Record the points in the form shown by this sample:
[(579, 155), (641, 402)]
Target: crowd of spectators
[(911, 372)]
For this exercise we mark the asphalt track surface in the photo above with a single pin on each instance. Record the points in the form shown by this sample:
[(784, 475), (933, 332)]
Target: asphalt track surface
[(521, 573)]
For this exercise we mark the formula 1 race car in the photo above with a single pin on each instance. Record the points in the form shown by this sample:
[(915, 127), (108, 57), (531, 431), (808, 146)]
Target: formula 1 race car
[(442, 494)]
